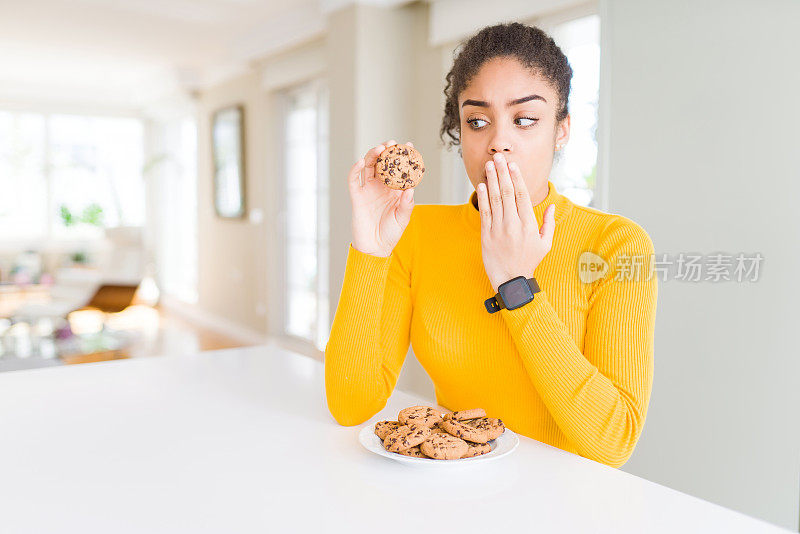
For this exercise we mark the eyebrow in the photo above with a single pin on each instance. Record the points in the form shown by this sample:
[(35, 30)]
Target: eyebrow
[(484, 104)]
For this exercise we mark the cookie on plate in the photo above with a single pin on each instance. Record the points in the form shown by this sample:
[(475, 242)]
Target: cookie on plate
[(405, 437), (400, 167), (423, 415), (493, 426), (414, 451), (477, 449), (444, 447), (461, 430), (384, 428), (476, 430), (463, 415)]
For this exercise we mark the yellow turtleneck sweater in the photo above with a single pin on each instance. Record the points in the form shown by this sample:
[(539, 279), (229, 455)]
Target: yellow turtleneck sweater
[(573, 368)]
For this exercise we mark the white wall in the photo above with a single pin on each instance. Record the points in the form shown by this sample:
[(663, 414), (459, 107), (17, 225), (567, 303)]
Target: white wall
[(232, 279), (704, 122)]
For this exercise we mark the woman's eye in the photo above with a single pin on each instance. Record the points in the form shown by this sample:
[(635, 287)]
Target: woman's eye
[(526, 121), (473, 123)]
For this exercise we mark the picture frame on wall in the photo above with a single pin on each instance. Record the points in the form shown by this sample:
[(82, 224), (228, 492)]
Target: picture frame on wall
[(227, 147)]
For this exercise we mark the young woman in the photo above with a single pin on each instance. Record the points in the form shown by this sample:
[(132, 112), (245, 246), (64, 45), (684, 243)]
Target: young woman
[(574, 366)]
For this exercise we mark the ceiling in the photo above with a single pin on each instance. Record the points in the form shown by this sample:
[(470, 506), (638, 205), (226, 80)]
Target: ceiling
[(126, 52)]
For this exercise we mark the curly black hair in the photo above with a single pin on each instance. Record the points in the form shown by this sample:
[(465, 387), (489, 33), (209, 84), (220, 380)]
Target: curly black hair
[(528, 44)]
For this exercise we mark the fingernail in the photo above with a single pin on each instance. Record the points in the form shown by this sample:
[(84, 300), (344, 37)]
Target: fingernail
[(481, 187)]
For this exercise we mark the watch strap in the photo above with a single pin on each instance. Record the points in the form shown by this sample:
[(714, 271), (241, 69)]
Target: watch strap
[(534, 285)]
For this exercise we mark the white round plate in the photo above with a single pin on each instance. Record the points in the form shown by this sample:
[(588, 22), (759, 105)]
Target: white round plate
[(503, 445)]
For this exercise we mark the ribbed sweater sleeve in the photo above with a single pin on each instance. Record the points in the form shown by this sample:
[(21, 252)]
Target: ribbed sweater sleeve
[(598, 397), (369, 336)]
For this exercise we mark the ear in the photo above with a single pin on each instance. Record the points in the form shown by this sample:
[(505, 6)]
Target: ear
[(562, 131)]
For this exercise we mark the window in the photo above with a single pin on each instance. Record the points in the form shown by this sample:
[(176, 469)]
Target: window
[(305, 217), (575, 169), (24, 212), (173, 173), (69, 176)]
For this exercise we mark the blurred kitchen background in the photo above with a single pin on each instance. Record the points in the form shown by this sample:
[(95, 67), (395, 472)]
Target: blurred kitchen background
[(172, 180)]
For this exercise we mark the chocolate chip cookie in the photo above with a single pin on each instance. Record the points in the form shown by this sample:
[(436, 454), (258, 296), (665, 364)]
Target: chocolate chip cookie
[(423, 415), (479, 430), (444, 447), (493, 426), (400, 167), (384, 428), (477, 449), (464, 415), (405, 437), (414, 451)]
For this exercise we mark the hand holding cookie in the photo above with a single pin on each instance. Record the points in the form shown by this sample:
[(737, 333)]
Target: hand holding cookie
[(382, 194)]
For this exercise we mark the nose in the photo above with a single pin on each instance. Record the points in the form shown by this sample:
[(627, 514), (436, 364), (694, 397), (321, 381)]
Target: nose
[(500, 142)]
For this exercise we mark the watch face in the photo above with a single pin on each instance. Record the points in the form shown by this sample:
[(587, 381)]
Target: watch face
[(516, 292)]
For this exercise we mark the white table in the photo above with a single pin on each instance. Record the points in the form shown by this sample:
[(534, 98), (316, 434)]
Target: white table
[(241, 441)]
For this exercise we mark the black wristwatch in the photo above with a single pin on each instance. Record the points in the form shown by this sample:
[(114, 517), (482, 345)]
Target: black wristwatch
[(512, 294)]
